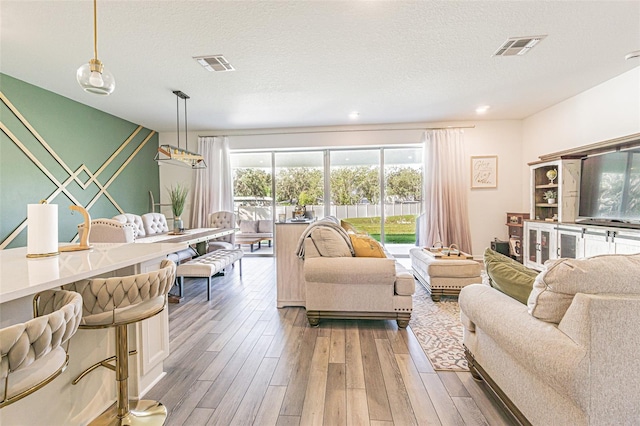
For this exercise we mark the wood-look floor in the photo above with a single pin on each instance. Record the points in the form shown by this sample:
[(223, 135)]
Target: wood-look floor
[(238, 360)]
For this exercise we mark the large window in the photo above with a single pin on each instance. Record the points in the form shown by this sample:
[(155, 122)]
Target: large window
[(355, 189), (377, 190), (252, 185), (403, 193), (299, 181)]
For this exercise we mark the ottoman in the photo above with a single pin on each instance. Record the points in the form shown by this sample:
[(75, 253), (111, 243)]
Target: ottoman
[(443, 277)]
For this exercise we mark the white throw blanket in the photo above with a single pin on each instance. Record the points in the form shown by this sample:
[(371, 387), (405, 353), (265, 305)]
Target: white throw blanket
[(329, 222)]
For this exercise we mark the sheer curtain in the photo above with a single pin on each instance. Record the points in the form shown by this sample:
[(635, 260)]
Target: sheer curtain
[(213, 189), (445, 215)]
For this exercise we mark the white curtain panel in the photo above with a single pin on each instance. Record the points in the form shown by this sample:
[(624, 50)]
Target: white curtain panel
[(445, 215), (213, 188)]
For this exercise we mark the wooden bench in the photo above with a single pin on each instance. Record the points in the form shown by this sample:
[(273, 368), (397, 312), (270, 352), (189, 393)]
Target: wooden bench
[(207, 266)]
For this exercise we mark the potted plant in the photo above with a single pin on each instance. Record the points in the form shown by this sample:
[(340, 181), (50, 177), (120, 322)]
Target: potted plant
[(550, 196), (178, 197)]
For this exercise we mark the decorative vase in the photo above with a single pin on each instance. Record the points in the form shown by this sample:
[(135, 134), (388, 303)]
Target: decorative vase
[(551, 200), (178, 225)]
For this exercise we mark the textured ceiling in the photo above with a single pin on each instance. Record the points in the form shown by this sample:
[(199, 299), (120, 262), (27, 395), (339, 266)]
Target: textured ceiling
[(310, 63)]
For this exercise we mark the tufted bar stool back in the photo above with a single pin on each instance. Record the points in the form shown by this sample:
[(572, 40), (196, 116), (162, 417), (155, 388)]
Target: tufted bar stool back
[(154, 223), (225, 220), (134, 220), (117, 302), (109, 231), (34, 352)]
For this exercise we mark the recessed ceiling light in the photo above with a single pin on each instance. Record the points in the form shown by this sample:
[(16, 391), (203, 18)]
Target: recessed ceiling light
[(354, 115), (482, 109), (631, 55)]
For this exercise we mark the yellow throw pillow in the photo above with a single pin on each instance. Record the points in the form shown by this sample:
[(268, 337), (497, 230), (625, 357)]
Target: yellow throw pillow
[(365, 246), (348, 227)]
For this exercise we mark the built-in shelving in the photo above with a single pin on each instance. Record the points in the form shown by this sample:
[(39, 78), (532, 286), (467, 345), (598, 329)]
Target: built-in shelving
[(547, 186), (565, 184)]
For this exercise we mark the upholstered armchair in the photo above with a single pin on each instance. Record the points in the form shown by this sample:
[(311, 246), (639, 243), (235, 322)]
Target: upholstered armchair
[(226, 220), (134, 220), (154, 223), (108, 231)]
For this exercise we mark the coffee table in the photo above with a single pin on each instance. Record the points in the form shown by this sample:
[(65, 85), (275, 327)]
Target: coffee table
[(253, 240)]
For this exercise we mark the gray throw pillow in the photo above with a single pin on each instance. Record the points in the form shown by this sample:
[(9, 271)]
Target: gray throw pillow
[(330, 243)]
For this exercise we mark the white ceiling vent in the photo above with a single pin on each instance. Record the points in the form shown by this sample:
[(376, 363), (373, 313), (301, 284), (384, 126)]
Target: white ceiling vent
[(216, 63), (518, 45)]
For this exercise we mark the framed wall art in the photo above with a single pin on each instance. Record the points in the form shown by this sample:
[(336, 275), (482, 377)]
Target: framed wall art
[(484, 172)]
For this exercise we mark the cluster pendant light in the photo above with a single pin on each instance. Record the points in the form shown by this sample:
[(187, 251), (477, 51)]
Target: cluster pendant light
[(169, 154), (92, 76)]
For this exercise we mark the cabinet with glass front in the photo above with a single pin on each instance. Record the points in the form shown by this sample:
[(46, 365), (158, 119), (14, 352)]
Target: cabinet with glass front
[(554, 190)]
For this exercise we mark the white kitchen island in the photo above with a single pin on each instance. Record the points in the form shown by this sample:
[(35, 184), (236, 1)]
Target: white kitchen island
[(60, 402)]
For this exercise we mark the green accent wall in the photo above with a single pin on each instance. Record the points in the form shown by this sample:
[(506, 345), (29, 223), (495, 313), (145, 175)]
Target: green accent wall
[(79, 135)]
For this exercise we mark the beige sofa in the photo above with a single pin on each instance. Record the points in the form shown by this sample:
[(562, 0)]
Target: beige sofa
[(339, 285), (569, 357)]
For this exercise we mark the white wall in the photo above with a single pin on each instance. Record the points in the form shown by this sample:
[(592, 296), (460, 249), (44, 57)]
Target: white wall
[(487, 207), (607, 111)]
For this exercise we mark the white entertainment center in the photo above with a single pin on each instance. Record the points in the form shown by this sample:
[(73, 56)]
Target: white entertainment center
[(552, 232)]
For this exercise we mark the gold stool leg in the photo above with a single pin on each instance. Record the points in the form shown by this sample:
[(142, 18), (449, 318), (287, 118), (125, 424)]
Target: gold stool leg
[(125, 412)]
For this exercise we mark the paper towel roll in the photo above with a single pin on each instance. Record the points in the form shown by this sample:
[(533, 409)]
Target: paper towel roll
[(42, 229)]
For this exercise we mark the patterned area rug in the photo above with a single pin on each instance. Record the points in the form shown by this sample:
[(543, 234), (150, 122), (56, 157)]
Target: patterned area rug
[(438, 329)]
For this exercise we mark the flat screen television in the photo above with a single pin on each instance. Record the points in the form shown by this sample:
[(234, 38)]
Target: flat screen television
[(610, 189)]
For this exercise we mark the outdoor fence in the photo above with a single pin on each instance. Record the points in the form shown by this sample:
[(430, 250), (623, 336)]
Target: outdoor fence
[(341, 212)]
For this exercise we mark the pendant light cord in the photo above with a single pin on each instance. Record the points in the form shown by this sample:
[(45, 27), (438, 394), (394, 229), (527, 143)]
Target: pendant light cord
[(178, 119), (95, 29), (186, 140)]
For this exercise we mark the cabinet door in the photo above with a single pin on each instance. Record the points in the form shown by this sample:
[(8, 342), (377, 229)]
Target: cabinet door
[(570, 243), (531, 247), (547, 244), (540, 244), (596, 243), (626, 242)]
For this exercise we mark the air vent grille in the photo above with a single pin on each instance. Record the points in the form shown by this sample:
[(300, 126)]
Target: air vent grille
[(217, 63), (517, 46)]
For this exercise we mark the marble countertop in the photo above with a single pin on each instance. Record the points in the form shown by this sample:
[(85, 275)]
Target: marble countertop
[(20, 276)]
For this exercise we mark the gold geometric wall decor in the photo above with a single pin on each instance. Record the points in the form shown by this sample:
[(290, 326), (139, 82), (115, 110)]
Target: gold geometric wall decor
[(82, 175)]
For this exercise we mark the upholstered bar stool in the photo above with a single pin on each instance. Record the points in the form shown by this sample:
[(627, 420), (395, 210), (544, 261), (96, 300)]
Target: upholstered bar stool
[(135, 221), (109, 231), (34, 352), (117, 302), (154, 223)]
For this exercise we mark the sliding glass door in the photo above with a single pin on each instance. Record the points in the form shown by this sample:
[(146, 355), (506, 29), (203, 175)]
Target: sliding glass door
[(377, 190), (402, 195), (299, 178), (355, 189), (253, 197)]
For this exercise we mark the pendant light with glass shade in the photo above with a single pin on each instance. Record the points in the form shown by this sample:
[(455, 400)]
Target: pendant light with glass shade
[(92, 76)]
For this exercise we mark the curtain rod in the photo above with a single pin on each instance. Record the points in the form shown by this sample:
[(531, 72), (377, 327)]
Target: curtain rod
[(339, 131)]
